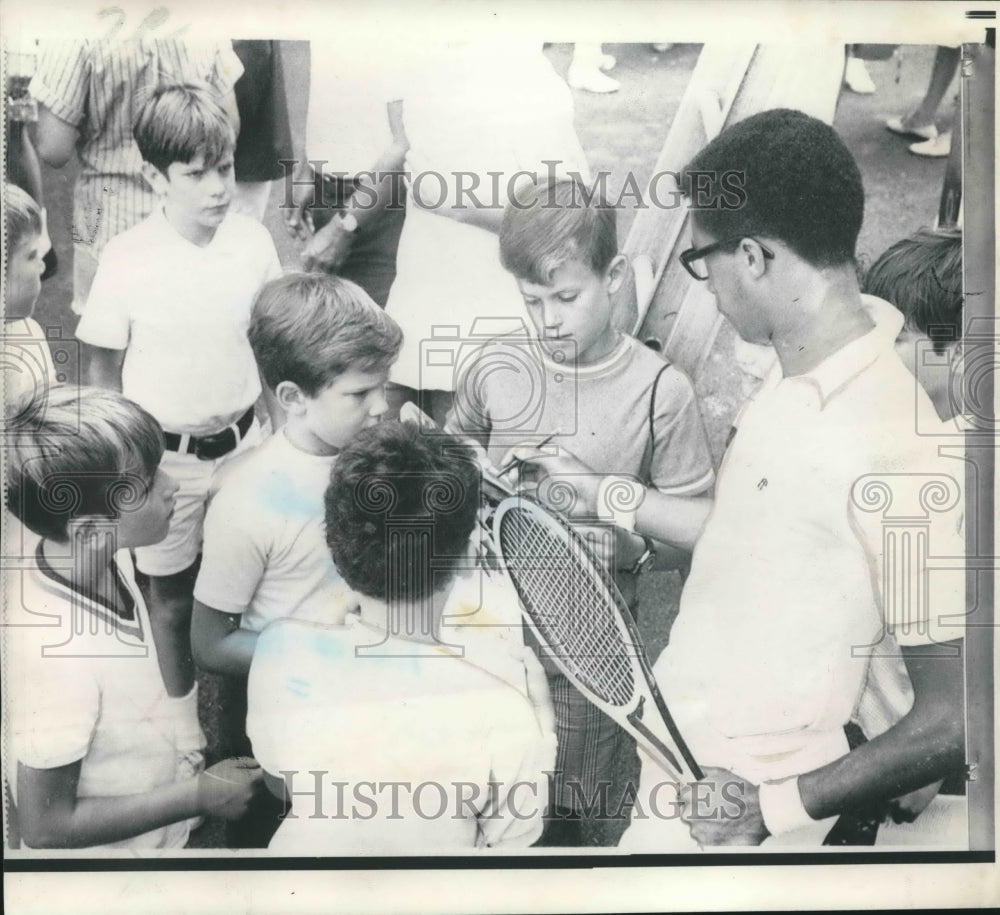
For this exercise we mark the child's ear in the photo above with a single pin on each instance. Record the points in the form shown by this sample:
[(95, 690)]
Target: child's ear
[(291, 398), (616, 273), (155, 178)]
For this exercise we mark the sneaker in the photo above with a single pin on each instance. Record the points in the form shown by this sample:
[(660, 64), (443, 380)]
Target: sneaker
[(899, 125), (590, 80), (660, 48), (935, 148), (607, 62), (857, 77)]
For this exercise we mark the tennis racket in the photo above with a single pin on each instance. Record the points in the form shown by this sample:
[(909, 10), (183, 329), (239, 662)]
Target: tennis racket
[(575, 610)]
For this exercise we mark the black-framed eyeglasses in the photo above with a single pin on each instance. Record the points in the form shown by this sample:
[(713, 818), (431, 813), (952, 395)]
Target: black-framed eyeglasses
[(691, 255)]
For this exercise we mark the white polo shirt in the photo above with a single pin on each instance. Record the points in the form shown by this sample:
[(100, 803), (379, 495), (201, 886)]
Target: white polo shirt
[(181, 312), (84, 684), (767, 658)]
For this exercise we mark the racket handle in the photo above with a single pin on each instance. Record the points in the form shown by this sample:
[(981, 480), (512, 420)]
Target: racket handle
[(662, 750)]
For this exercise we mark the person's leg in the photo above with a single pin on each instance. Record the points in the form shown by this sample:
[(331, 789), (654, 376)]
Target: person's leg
[(945, 67), (856, 75), (920, 121), (585, 69), (257, 826)]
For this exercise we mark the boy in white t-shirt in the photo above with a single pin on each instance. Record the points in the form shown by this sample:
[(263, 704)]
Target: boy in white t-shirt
[(413, 746), (27, 361), (166, 324), (97, 750), (324, 349)]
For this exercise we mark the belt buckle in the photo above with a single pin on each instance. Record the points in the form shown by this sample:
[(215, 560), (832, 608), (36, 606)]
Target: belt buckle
[(212, 447)]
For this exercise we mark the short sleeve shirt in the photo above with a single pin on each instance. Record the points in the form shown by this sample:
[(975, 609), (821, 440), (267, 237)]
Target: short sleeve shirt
[(511, 392), (265, 552), (84, 684), (410, 715), (99, 87), (181, 313)]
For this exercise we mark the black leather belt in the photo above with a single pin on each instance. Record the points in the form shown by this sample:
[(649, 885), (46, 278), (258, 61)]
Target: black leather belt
[(211, 447)]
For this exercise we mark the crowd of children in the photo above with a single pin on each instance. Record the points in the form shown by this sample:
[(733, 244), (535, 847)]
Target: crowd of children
[(230, 445)]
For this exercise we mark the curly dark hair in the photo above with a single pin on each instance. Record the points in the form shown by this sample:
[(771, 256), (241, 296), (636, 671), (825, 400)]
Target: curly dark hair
[(800, 185), (400, 508)]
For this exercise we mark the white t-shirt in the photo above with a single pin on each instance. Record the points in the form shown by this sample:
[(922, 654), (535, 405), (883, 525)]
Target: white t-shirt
[(265, 552), (181, 314), (26, 361), (84, 684), (413, 716)]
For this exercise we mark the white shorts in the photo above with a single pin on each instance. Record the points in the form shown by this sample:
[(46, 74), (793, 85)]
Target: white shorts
[(179, 549)]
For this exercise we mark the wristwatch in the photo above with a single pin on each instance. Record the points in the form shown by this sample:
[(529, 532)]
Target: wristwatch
[(348, 222), (643, 562)]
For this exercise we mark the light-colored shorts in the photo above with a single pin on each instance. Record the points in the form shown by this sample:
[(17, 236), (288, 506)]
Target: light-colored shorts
[(179, 549)]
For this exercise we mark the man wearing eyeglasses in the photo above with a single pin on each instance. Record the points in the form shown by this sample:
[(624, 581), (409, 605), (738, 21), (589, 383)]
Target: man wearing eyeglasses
[(789, 608)]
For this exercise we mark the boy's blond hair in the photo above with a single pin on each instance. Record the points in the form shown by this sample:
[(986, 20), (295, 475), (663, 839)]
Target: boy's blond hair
[(88, 451)]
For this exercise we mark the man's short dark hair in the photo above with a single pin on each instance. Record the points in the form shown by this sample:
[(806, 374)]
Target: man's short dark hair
[(922, 276), (395, 471), (800, 185)]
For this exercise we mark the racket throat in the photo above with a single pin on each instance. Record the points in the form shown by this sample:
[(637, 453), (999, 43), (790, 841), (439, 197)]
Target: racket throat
[(654, 742)]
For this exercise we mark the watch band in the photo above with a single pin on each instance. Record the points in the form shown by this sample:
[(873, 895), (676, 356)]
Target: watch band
[(642, 563)]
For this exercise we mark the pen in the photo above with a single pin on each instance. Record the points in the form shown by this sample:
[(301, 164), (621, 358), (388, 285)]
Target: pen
[(516, 460)]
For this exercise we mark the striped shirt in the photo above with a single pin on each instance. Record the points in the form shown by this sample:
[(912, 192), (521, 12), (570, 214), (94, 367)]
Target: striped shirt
[(99, 87)]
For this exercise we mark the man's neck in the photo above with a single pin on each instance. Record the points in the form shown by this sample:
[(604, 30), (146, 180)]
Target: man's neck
[(825, 316)]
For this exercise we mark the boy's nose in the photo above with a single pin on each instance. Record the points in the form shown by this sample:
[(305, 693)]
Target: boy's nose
[(379, 405)]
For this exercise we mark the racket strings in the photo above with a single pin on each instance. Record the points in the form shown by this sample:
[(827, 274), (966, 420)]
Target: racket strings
[(569, 604)]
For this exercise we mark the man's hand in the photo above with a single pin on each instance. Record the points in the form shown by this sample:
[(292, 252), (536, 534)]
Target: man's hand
[(907, 808), (298, 221), (560, 480), (328, 248), (723, 809), (226, 789)]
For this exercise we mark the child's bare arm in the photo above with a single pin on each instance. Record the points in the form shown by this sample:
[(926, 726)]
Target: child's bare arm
[(104, 366), (219, 645), (54, 139), (52, 816)]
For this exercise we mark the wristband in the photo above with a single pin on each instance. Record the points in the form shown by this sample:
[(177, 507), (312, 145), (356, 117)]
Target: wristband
[(781, 807), (618, 499)]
